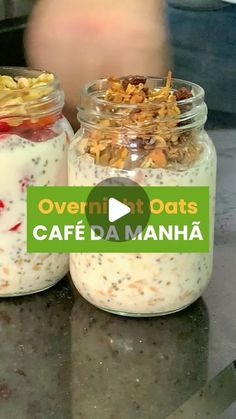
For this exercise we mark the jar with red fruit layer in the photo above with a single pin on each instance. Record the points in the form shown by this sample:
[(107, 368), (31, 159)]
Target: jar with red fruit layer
[(34, 138)]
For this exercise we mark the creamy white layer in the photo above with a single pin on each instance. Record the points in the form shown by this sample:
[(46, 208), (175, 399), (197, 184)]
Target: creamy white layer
[(24, 163)]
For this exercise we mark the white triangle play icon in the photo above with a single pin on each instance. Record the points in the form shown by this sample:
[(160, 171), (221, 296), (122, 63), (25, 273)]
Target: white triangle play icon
[(117, 210)]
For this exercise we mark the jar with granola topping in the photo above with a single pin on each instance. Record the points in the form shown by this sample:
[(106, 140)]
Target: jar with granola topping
[(150, 131), (33, 151)]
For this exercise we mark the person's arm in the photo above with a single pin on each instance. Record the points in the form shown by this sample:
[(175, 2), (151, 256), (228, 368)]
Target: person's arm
[(84, 40)]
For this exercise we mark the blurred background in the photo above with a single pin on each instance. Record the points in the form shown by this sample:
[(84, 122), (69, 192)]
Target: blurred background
[(199, 37), (13, 18)]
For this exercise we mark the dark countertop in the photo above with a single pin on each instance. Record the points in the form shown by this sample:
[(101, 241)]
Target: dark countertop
[(62, 358)]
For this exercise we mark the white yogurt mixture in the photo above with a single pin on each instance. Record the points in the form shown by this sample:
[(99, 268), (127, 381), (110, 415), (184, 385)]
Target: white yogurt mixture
[(144, 283), (25, 163)]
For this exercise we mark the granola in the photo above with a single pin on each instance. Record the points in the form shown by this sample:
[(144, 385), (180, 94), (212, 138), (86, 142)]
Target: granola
[(149, 119)]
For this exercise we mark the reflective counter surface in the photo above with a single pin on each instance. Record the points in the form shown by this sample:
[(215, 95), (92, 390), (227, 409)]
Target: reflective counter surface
[(62, 358)]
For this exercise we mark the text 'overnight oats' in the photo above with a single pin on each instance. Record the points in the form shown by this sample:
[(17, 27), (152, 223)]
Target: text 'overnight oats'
[(150, 131), (33, 152)]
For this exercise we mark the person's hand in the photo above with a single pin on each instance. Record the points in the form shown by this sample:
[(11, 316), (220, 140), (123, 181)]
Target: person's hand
[(83, 40)]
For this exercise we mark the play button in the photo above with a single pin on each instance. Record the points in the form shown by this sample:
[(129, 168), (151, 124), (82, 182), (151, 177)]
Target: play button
[(120, 205), (117, 210)]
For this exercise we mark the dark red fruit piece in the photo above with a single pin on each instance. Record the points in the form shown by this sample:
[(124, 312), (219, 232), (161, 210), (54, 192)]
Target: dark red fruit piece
[(15, 227), (4, 127), (135, 80), (182, 93)]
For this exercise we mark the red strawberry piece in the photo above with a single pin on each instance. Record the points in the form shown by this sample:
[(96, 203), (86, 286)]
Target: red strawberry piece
[(15, 227), (2, 205), (39, 135), (4, 126), (4, 136), (24, 183)]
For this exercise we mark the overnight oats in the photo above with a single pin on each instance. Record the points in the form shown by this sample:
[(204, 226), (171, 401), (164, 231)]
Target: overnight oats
[(150, 131), (33, 152)]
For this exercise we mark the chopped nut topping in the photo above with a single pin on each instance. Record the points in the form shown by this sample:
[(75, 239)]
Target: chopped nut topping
[(17, 96), (157, 142), (21, 90), (8, 83)]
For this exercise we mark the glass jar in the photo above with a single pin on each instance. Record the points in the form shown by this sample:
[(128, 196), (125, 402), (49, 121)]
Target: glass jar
[(33, 152), (157, 143)]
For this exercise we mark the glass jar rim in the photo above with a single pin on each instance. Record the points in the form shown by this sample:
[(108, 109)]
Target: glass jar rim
[(199, 92), (47, 102), (29, 72), (94, 107)]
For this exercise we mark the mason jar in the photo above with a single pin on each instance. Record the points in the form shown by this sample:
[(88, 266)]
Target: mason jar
[(152, 132), (34, 139)]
